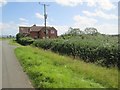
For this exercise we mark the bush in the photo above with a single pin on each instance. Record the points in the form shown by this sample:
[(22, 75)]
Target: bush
[(24, 40), (18, 36)]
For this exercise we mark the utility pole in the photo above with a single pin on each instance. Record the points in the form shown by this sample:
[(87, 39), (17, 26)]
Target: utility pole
[(45, 18)]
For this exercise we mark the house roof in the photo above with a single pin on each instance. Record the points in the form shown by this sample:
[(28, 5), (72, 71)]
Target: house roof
[(24, 29), (34, 28), (38, 28)]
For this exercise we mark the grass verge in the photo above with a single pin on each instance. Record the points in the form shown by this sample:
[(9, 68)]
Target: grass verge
[(13, 42), (49, 70)]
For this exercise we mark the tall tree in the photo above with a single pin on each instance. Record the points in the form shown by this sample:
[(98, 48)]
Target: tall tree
[(91, 30), (74, 31)]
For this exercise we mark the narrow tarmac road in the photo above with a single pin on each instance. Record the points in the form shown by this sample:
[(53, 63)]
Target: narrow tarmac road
[(12, 73)]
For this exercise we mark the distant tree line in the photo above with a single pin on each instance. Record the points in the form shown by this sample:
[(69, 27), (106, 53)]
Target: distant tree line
[(77, 31)]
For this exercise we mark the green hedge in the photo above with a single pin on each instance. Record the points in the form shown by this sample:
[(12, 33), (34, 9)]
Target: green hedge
[(89, 52), (24, 40)]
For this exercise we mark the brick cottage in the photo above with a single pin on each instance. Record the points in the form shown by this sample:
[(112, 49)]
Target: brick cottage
[(38, 32)]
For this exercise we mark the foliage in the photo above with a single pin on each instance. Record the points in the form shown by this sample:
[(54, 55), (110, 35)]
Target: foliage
[(74, 31), (14, 42), (18, 36), (24, 40), (91, 30), (49, 70), (102, 50)]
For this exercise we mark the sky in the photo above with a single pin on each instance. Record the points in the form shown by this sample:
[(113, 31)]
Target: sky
[(62, 14)]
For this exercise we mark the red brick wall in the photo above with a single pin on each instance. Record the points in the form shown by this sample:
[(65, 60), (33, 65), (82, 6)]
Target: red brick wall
[(52, 33), (34, 34), (41, 34)]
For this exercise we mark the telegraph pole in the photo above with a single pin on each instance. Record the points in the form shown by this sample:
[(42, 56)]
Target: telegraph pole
[(45, 18)]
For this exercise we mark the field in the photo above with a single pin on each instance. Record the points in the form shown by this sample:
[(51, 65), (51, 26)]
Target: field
[(50, 70)]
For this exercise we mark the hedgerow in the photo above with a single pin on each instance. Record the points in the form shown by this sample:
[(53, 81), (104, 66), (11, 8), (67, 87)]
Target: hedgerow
[(105, 54)]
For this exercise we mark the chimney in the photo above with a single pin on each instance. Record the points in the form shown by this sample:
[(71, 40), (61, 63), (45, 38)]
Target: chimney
[(34, 25)]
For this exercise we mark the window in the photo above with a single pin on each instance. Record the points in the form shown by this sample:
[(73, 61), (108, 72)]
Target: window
[(52, 31), (46, 31)]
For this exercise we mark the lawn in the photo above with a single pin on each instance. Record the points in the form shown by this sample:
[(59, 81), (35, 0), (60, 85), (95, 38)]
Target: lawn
[(50, 70)]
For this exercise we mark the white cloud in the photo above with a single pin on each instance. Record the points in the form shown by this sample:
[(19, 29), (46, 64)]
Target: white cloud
[(38, 15), (8, 28), (69, 2), (61, 29), (99, 13), (84, 21), (23, 19), (103, 4), (107, 28), (23, 22), (106, 4), (31, 0), (3, 2), (91, 3)]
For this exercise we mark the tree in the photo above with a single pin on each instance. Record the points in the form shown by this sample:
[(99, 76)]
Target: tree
[(74, 31), (18, 36), (91, 30)]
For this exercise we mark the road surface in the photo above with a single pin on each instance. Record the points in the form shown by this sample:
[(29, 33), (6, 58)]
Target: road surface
[(12, 73)]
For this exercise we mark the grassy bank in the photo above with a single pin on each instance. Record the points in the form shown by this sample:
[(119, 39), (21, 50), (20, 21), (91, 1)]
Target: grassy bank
[(47, 70)]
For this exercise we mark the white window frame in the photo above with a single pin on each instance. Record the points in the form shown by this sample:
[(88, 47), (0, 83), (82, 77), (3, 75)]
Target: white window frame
[(52, 32)]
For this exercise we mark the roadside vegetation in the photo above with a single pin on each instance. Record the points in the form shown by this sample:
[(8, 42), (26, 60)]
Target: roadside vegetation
[(5, 38), (11, 40), (79, 60), (49, 70), (95, 49), (90, 46), (14, 42), (24, 40)]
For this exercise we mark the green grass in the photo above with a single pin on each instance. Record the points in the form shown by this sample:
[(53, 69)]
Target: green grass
[(6, 38), (13, 42), (49, 70)]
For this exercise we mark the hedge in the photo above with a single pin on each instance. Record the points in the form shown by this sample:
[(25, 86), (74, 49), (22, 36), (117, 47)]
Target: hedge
[(89, 52)]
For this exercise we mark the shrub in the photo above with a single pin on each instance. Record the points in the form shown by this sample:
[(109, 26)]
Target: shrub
[(18, 36), (24, 40)]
